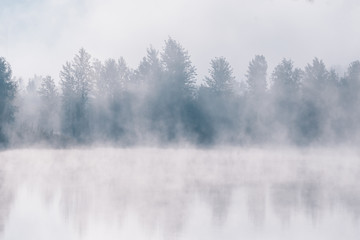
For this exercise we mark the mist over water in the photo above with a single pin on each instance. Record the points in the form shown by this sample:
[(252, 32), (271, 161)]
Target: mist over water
[(111, 152), (179, 119), (149, 153), (150, 193)]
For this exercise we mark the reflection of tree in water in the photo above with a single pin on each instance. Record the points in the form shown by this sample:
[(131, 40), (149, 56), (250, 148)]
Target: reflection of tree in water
[(218, 197), (160, 191), (75, 203), (175, 211), (350, 196), (285, 200), (6, 199), (160, 206), (256, 203), (215, 182), (312, 198), (109, 188), (87, 192), (8, 186)]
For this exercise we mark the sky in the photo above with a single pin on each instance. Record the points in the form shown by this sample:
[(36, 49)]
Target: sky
[(39, 36)]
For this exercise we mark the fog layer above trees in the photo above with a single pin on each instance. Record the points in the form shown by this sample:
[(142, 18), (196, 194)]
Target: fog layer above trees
[(160, 103)]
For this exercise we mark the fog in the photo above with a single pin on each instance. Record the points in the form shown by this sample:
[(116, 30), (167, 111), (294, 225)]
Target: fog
[(162, 103), (210, 73), (179, 119), (111, 151), (150, 193)]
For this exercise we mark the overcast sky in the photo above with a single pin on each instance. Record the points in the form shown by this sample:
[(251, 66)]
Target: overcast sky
[(39, 36)]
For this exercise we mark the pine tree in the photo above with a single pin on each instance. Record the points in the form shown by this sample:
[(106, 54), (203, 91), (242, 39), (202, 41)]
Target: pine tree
[(256, 76), (150, 69), (179, 71), (221, 79), (256, 115), (314, 105), (49, 96), (77, 90), (285, 98), (7, 95)]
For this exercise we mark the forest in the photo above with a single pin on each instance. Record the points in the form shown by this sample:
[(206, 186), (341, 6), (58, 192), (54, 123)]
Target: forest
[(162, 102)]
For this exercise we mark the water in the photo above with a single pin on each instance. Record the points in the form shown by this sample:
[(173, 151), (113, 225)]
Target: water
[(180, 194)]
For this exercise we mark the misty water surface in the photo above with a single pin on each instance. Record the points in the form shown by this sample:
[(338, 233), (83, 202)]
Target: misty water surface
[(179, 194)]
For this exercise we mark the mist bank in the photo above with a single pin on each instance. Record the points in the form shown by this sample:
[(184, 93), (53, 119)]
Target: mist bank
[(163, 103), (266, 190)]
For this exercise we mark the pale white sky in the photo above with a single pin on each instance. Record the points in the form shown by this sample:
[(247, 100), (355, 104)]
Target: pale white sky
[(39, 36)]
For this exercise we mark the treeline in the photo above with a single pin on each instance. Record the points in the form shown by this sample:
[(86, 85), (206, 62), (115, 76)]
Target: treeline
[(160, 103)]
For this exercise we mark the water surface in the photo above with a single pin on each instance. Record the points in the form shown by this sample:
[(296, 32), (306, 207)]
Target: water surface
[(180, 194)]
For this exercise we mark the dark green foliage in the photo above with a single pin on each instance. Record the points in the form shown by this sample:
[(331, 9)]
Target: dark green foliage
[(50, 105), (256, 75), (285, 95), (221, 79), (349, 102), (256, 109), (150, 70), (173, 91), (77, 85), (160, 103), (219, 102), (178, 70), (318, 91), (7, 95)]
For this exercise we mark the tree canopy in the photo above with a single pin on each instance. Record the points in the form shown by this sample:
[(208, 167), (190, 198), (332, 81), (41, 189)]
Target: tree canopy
[(163, 102)]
